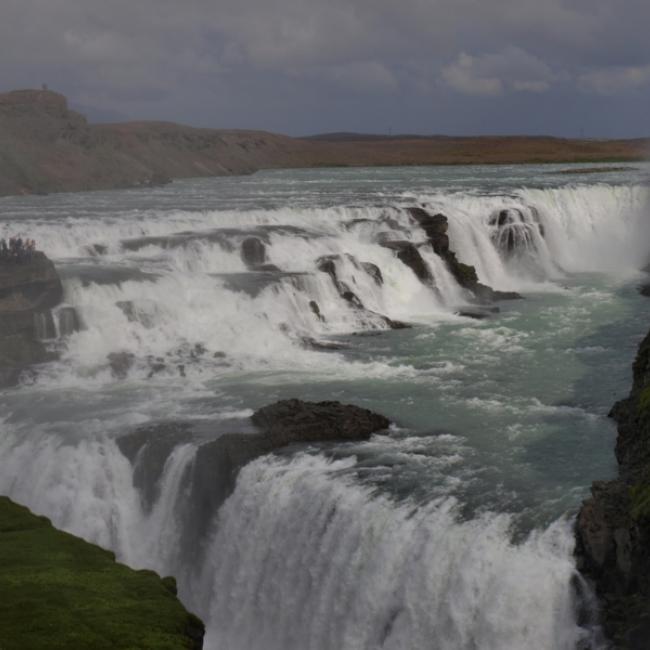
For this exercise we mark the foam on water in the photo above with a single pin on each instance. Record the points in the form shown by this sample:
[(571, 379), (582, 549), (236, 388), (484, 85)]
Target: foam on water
[(199, 290), (302, 556), (310, 553), (340, 568)]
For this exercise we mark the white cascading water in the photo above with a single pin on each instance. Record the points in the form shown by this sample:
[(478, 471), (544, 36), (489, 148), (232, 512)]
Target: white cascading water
[(302, 556), (318, 562), (163, 291)]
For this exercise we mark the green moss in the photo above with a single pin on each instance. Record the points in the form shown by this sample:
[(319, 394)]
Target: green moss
[(640, 495), (58, 591), (644, 401)]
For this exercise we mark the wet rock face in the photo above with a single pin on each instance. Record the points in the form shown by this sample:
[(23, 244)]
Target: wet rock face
[(512, 233), (328, 265), (148, 449), (29, 288), (253, 252), (283, 423), (30, 284), (212, 475), (374, 272), (436, 227), (408, 254), (297, 421), (613, 527)]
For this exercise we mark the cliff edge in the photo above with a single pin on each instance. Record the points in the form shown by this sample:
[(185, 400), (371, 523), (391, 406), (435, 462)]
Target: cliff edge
[(45, 147), (29, 288), (613, 527), (59, 592)]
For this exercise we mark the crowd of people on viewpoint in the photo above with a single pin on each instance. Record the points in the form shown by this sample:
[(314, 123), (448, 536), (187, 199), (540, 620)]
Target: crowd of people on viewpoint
[(16, 249)]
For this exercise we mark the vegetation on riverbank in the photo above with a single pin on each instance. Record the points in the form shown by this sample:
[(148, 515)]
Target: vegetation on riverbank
[(60, 592)]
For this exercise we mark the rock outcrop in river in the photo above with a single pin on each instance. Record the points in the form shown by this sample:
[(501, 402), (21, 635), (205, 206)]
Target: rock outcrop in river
[(29, 289), (436, 227), (217, 463), (59, 592), (613, 527)]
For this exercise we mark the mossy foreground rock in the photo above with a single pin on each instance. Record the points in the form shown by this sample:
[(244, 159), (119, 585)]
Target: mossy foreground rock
[(59, 592)]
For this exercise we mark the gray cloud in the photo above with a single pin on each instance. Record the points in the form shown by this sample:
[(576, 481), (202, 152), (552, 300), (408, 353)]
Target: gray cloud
[(615, 79), (222, 62), (492, 74)]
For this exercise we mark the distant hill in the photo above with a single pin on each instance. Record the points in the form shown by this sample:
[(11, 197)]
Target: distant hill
[(46, 147), (344, 136)]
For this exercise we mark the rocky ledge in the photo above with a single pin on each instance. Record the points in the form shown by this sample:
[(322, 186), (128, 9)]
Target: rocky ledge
[(29, 289), (436, 227), (59, 592), (217, 463), (613, 526)]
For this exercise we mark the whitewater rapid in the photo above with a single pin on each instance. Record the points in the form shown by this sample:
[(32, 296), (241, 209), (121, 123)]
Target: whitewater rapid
[(452, 530), (157, 287)]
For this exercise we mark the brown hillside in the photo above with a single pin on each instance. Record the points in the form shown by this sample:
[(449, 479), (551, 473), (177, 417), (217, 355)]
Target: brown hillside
[(45, 147)]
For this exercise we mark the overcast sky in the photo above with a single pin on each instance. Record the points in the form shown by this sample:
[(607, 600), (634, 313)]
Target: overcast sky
[(563, 67)]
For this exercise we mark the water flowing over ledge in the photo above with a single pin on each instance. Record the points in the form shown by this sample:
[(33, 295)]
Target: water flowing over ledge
[(450, 526)]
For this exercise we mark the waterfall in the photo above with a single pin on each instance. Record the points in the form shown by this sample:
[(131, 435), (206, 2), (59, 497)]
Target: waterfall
[(303, 557), (160, 287), (199, 316)]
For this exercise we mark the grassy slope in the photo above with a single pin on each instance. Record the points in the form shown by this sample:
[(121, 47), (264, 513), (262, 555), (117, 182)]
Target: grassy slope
[(57, 591)]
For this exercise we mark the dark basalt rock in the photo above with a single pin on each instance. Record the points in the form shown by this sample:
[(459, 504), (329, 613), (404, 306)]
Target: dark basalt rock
[(293, 420), (98, 249), (148, 448), (120, 363), (253, 252), (328, 265), (313, 305), (268, 268), (29, 289), (436, 227), (68, 320), (373, 271), (29, 285), (156, 366), (351, 297), (486, 294), (613, 527), (408, 254), (397, 324), (512, 232), (330, 346), (644, 290), (475, 314), (214, 471)]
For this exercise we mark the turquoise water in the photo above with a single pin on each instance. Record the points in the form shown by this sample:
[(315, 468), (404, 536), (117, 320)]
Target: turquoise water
[(500, 424)]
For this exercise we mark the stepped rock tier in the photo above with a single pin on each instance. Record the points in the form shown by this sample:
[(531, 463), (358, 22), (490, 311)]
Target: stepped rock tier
[(46, 147)]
